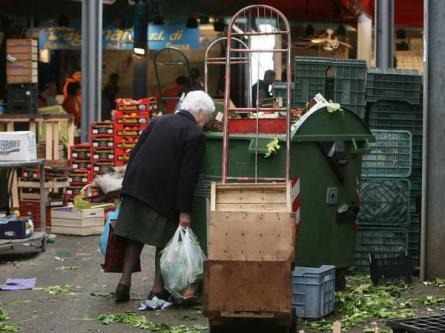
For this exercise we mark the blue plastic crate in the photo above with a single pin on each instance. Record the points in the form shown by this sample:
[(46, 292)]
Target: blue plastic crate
[(375, 240), (394, 84), (390, 155), (313, 291), (385, 202)]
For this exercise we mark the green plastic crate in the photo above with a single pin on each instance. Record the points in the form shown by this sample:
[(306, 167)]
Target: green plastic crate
[(343, 81), (384, 201), (372, 240), (394, 84), (390, 155)]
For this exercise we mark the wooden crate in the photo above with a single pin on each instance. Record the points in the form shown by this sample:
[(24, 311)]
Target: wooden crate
[(72, 221), (251, 222), (251, 236), (21, 46), (247, 289), (250, 198), (28, 68), (26, 56), (18, 79)]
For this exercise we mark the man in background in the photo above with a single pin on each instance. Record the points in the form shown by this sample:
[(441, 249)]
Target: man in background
[(263, 87), (109, 94)]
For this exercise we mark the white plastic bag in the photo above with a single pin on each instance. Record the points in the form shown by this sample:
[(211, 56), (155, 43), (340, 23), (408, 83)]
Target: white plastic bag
[(182, 264)]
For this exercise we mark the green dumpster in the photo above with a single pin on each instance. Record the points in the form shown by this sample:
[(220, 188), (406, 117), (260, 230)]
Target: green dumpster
[(326, 153)]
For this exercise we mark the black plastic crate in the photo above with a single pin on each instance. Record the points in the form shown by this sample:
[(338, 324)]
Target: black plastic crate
[(377, 240), (22, 98), (432, 324), (389, 268)]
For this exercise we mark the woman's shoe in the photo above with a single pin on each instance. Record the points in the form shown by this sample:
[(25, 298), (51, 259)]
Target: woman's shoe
[(122, 293)]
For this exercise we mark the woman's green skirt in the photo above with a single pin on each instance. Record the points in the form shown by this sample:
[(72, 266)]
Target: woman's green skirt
[(139, 222)]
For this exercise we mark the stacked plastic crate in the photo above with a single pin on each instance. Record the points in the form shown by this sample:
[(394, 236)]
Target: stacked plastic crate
[(130, 119), (102, 146), (341, 80), (394, 102), (385, 197), (79, 172)]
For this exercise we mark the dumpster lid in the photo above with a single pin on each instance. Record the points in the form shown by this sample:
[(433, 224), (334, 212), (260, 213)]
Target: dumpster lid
[(319, 124)]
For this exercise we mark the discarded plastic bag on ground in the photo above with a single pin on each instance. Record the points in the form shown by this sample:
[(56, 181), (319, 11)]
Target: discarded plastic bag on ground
[(182, 264)]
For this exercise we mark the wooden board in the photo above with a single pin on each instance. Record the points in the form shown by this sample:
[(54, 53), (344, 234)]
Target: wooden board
[(247, 289), (17, 79), (251, 236), (242, 197), (15, 50), (78, 231)]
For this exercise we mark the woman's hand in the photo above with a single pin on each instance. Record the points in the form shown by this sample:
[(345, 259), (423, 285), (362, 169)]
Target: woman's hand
[(185, 219)]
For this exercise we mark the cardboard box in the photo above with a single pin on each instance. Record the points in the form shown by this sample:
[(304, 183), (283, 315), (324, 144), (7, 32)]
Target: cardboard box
[(18, 146), (72, 221)]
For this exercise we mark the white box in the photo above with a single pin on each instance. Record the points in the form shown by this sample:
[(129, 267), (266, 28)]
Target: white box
[(18, 146)]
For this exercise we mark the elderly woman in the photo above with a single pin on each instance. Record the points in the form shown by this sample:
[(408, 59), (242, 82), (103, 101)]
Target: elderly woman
[(159, 185)]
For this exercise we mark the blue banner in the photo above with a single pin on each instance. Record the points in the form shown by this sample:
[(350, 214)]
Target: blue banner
[(158, 36), (174, 35)]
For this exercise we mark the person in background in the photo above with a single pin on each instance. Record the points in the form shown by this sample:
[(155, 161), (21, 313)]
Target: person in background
[(263, 87), (109, 94), (176, 90), (47, 94), (196, 82), (75, 77), (72, 104), (159, 186)]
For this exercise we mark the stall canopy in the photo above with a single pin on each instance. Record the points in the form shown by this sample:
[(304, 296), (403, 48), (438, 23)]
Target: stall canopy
[(407, 12)]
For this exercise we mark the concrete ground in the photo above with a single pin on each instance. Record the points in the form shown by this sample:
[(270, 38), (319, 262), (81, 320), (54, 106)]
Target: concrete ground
[(36, 311)]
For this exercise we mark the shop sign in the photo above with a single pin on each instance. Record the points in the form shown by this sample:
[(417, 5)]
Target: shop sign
[(159, 37), (173, 35)]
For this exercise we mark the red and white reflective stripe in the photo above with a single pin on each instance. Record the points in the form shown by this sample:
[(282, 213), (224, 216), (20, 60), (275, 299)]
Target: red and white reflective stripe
[(296, 198)]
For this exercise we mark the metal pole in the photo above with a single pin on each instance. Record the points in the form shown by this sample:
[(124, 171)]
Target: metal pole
[(433, 209), (384, 21), (91, 64)]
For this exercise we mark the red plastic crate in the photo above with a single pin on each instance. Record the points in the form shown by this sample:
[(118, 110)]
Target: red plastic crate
[(127, 104), (79, 176), (128, 131), (120, 163), (138, 118), (102, 142), (123, 143), (103, 154), (102, 166), (265, 126), (32, 208), (80, 151), (119, 151), (101, 128)]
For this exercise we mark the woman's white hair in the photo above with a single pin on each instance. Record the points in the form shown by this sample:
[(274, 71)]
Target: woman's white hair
[(196, 101)]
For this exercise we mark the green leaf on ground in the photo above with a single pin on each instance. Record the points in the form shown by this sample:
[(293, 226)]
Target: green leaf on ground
[(54, 290), (4, 326), (139, 321)]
